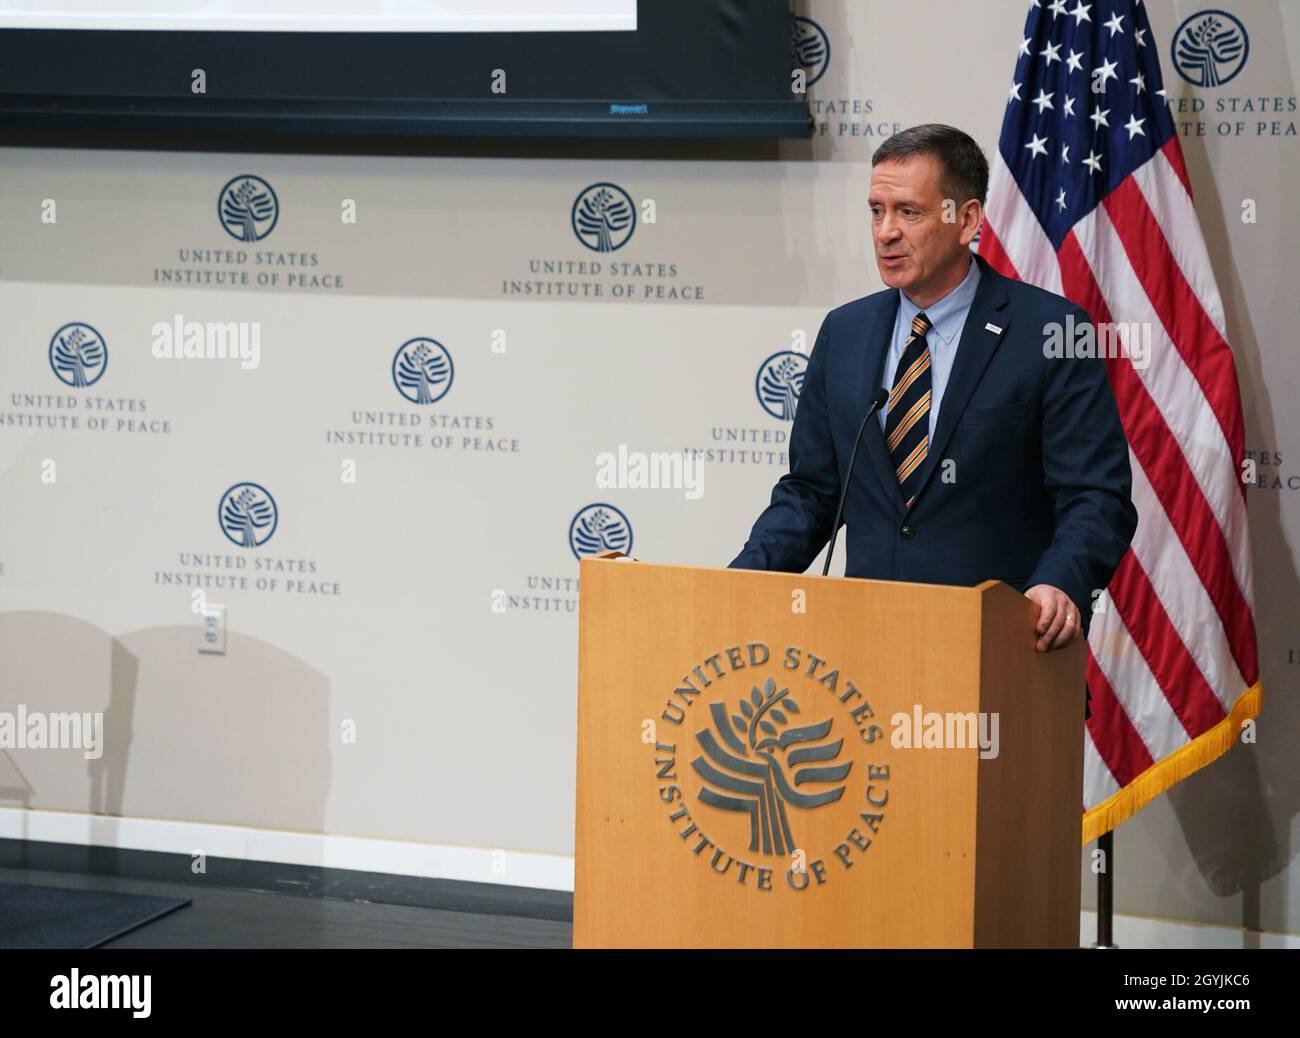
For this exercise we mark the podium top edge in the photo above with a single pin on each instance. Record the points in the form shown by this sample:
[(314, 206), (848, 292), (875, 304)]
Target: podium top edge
[(980, 589)]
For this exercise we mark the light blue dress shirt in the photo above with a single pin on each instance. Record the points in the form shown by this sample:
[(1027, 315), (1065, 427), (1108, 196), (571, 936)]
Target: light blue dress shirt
[(947, 319)]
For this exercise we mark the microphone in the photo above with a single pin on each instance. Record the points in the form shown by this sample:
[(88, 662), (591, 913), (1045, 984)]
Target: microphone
[(877, 402)]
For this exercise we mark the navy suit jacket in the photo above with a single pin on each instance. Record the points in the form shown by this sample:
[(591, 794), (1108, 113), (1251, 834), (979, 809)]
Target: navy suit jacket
[(1038, 489)]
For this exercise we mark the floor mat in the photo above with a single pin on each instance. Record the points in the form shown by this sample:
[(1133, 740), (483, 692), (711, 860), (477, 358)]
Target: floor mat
[(55, 917)]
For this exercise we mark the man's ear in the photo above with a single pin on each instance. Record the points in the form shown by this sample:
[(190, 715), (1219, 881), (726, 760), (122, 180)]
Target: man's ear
[(971, 215)]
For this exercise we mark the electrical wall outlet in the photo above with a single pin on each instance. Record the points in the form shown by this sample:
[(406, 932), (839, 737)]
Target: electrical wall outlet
[(212, 632)]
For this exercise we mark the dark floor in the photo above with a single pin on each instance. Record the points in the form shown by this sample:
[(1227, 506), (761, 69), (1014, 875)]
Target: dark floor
[(223, 917)]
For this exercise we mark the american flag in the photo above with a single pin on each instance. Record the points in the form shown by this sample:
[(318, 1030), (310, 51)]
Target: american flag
[(1090, 198)]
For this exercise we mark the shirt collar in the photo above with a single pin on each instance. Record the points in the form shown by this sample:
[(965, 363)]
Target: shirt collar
[(949, 313)]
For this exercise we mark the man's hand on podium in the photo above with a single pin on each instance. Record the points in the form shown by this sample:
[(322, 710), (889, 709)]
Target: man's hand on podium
[(1058, 619)]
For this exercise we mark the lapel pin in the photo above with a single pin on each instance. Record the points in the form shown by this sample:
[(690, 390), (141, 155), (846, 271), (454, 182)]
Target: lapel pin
[(993, 328)]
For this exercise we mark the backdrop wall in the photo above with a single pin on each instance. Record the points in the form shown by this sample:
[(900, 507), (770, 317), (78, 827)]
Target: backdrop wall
[(400, 662)]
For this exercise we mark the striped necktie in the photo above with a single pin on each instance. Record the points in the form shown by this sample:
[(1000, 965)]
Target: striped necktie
[(907, 418)]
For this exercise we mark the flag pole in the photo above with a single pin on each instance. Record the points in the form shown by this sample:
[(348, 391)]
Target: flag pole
[(1106, 892)]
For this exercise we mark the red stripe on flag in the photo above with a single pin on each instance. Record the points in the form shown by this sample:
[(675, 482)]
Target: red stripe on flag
[(1118, 743), (1176, 672), (1166, 468), (1138, 604), (991, 249), (1174, 153), (1201, 346)]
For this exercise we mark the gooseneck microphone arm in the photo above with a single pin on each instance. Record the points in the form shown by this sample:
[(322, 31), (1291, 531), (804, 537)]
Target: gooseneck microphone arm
[(877, 402)]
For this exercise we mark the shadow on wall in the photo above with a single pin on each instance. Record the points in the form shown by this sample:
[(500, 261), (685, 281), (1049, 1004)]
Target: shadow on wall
[(1236, 814), (241, 739)]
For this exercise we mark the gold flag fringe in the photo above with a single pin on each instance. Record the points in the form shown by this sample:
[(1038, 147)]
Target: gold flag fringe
[(1206, 747)]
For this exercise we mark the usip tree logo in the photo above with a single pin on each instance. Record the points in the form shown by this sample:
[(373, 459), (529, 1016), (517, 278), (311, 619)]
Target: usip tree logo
[(78, 355), (423, 370), (779, 382), (1210, 48), (248, 208), (815, 800), (598, 528), (604, 217), (248, 515), (812, 48), (756, 760)]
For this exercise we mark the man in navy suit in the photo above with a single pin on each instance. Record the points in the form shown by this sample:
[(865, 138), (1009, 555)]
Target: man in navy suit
[(992, 458)]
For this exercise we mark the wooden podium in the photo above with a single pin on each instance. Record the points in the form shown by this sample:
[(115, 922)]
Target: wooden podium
[(793, 761)]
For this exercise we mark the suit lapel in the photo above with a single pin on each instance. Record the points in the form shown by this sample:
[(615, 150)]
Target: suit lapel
[(879, 329), (974, 351)]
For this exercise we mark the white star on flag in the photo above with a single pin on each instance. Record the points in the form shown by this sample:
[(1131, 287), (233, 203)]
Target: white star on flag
[(1106, 71)]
